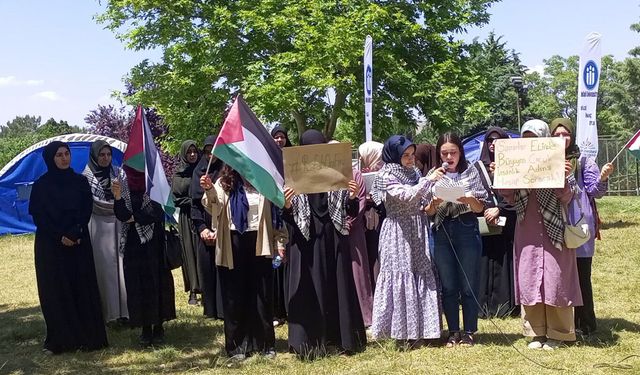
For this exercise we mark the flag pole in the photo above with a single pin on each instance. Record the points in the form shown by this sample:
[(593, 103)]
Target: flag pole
[(209, 165), (618, 154)]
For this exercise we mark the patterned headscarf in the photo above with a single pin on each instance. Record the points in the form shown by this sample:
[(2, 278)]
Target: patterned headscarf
[(370, 156)]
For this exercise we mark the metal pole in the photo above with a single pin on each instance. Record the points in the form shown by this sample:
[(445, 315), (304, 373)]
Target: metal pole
[(518, 108)]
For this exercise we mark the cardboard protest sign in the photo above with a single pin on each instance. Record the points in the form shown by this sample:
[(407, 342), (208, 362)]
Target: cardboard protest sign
[(529, 163), (317, 168)]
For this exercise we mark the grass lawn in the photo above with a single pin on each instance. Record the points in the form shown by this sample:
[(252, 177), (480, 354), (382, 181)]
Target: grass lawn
[(195, 345)]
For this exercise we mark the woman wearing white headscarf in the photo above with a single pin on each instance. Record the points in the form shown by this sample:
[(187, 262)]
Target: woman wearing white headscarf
[(545, 271), (370, 162)]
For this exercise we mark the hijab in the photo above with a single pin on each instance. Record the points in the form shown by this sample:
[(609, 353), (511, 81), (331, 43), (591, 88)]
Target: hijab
[(370, 156), (49, 154), (102, 174), (279, 129), (537, 127), (425, 157), (185, 169), (486, 156), (572, 153), (392, 152)]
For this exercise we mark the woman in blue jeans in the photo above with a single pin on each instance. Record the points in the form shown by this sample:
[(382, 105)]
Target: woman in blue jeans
[(457, 243)]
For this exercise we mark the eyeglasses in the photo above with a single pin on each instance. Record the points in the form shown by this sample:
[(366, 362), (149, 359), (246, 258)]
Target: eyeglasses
[(491, 140), (563, 135)]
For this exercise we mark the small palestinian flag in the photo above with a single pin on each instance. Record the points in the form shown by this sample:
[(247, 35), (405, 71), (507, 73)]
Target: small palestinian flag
[(634, 145), (247, 147), (142, 155)]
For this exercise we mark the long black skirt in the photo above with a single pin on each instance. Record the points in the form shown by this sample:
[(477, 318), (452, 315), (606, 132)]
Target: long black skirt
[(150, 290), (69, 296), (189, 253), (209, 281), (496, 292), (247, 291), (323, 305)]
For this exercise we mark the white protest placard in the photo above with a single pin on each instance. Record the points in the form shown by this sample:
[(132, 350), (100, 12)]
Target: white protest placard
[(529, 163)]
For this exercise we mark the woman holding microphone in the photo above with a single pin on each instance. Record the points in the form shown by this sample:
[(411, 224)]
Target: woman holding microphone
[(457, 243)]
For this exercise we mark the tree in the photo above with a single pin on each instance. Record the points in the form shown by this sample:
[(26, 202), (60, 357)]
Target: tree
[(51, 128), (299, 63), (20, 126), (113, 122)]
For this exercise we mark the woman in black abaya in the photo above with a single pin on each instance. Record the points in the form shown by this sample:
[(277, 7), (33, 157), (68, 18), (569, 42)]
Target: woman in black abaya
[(180, 187), (496, 292), (61, 205), (323, 305), (205, 250)]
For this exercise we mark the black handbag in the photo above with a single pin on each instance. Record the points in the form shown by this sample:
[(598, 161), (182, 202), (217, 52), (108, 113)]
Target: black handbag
[(172, 248)]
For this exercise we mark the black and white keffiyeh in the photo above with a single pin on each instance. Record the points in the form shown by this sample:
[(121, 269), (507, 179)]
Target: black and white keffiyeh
[(406, 176), (337, 211), (97, 190), (145, 232)]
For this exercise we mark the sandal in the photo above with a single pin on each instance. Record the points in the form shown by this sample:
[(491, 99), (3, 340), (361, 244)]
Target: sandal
[(467, 340), (453, 340)]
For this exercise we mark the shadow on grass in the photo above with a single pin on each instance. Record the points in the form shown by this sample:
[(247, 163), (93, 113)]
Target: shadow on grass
[(607, 333), (191, 343), (618, 225)]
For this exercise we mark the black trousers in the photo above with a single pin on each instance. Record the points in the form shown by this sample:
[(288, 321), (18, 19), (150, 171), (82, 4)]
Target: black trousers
[(247, 291), (585, 316)]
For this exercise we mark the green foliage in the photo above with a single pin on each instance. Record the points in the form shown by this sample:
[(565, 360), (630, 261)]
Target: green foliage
[(299, 63), (23, 131)]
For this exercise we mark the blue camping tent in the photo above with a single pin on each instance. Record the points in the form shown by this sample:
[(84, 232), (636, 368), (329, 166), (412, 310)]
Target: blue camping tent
[(473, 145), (19, 174)]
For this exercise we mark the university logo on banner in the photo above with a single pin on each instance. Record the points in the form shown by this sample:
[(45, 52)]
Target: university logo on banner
[(588, 82)]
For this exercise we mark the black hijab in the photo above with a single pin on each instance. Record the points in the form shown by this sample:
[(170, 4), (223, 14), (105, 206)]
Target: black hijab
[(102, 174), (53, 172), (185, 169), (61, 199), (486, 156), (279, 129)]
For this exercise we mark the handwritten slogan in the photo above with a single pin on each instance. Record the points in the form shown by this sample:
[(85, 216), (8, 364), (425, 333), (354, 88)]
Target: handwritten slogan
[(529, 163), (317, 168)]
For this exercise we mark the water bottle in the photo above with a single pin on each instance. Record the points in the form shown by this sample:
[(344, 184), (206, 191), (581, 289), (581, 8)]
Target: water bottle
[(277, 261)]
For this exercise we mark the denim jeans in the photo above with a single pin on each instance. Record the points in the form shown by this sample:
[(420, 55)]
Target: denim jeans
[(467, 244)]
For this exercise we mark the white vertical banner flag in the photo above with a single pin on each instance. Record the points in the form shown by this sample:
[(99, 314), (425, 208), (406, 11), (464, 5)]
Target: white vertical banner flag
[(588, 82), (368, 88)]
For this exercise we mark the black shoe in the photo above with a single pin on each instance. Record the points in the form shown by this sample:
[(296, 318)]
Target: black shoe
[(158, 335), (145, 336), (193, 299)]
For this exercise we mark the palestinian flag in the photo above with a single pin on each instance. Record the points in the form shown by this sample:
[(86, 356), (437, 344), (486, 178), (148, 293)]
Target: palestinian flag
[(143, 156), (634, 145), (247, 147)]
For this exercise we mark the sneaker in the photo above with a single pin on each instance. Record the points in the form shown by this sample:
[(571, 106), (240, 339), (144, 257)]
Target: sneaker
[(47, 352), (537, 342), (552, 344), (270, 354), (453, 340)]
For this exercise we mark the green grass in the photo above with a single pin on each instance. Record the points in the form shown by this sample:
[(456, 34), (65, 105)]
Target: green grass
[(195, 344)]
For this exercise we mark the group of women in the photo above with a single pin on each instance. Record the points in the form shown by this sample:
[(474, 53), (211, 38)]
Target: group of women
[(391, 257)]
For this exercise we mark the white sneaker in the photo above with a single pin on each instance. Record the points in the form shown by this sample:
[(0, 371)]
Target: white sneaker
[(535, 344), (552, 344)]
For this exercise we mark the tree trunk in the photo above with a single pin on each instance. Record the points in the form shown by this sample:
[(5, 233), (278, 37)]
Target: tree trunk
[(331, 122), (301, 123)]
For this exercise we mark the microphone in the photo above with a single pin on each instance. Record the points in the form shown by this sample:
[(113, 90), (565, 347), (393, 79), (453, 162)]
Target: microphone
[(445, 166)]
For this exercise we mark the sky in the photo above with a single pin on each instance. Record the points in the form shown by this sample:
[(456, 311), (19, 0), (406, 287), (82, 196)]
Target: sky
[(56, 61)]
